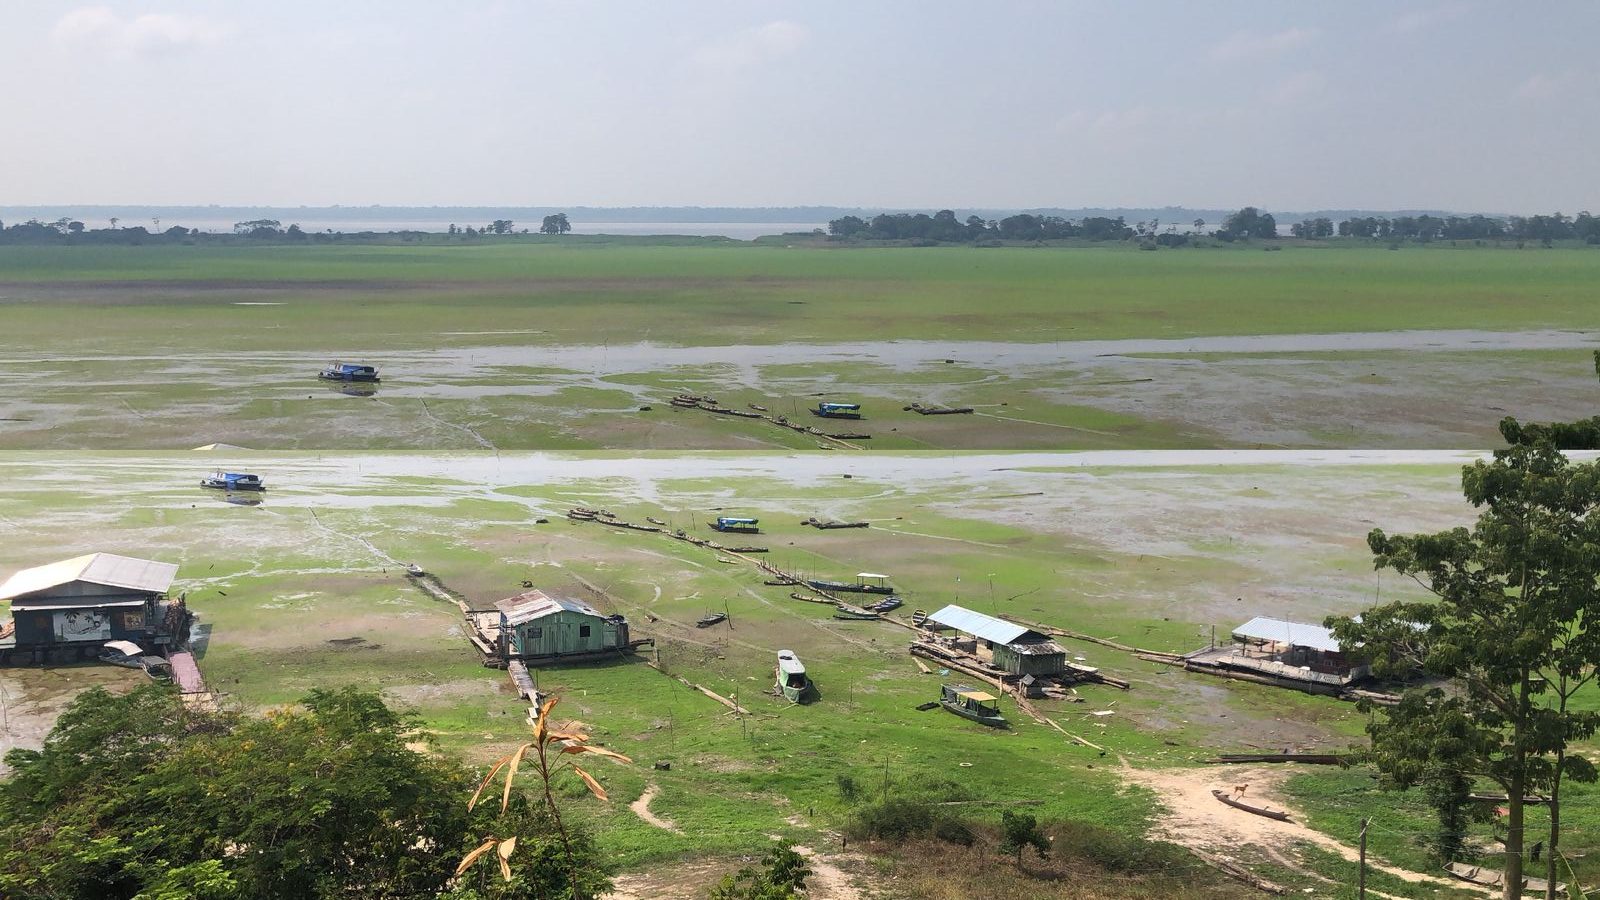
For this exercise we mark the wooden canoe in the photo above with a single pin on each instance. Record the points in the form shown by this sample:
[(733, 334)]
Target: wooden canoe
[(1278, 814)]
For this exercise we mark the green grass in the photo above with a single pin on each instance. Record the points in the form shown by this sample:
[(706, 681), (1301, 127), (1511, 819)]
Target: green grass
[(339, 297)]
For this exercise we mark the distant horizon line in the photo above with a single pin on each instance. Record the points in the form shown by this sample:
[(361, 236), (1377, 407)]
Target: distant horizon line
[(693, 213)]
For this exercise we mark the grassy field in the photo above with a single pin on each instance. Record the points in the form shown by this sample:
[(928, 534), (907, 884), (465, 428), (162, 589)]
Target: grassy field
[(540, 346), (419, 297), (305, 590)]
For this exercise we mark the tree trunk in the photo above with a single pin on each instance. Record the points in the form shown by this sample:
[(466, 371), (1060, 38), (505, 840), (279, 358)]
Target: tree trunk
[(1516, 787), (1555, 828)]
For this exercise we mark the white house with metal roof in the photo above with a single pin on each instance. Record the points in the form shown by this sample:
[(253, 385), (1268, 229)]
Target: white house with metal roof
[(1018, 649)]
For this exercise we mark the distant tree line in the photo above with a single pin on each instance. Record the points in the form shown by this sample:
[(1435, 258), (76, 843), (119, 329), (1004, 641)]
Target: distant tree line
[(943, 227), (67, 230), (1248, 223)]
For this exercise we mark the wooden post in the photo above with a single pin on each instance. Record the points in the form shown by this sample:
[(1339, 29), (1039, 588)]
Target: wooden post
[(1361, 878)]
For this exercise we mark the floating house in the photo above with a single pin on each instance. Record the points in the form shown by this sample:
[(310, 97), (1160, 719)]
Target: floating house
[(343, 371), (1017, 649), (69, 610), (838, 410), (1289, 654), (535, 627)]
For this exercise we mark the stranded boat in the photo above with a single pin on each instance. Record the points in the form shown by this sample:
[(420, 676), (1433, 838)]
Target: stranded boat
[(970, 704), (233, 481), (793, 682), (838, 410), (865, 583), (736, 525), (343, 371)]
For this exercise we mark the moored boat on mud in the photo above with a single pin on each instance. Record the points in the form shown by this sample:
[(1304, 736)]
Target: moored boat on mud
[(793, 682)]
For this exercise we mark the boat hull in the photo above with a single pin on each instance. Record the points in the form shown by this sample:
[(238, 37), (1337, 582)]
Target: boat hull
[(981, 719)]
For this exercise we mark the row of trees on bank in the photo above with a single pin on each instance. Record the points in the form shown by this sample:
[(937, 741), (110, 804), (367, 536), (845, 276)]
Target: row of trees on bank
[(1248, 223), (66, 230)]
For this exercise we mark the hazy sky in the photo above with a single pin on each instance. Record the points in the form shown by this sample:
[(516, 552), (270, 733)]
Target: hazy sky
[(1293, 106)]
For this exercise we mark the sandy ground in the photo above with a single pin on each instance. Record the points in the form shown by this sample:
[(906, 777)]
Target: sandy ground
[(641, 808), (1194, 818)]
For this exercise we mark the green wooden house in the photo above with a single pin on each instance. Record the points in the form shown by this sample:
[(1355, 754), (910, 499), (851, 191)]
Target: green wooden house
[(1015, 648), (535, 627)]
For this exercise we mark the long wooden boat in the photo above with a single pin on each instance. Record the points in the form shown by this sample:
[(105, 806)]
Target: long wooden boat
[(1494, 878), (1502, 798), (710, 619), (851, 587), (793, 682), (1278, 814), (972, 704), (853, 614)]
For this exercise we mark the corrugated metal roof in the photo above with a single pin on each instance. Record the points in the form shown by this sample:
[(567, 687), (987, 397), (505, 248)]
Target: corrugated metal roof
[(536, 604), (97, 568), (1296, 634), (997, 631)]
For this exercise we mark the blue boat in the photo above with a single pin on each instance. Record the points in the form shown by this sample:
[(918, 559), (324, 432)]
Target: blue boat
[(233, 481), (887, 604), (343, 371), (736, 525), (838, 410)]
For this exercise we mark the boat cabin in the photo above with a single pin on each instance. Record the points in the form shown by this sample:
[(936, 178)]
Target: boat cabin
[(737, 525), (793, 682), (968, 703), (69, 610), (233, 481), (838, 410), (343, 371)]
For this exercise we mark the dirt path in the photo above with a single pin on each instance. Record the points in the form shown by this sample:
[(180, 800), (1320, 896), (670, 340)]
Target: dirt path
[(828, 881), (1195, 819), (641, 808), (691, 880)]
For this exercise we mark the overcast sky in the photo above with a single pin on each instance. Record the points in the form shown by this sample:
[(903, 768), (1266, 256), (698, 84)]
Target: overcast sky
[(1292, 106)]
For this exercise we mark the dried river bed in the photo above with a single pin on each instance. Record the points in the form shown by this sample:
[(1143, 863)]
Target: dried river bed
[(1395, 389)]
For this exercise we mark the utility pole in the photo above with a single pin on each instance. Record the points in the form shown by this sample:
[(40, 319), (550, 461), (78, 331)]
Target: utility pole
[(1361, 879)]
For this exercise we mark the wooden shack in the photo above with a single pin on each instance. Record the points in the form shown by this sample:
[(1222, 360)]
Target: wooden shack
[(1017, 649), (535, 627), (68, 610)]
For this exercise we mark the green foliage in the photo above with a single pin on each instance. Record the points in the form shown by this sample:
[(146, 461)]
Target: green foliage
[(783, 875), (849, 791), (1018, 832), (135, 796), (1513, 598)]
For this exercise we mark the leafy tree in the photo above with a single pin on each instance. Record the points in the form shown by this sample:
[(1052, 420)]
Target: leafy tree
[(1512, 599), (782, 876), (1019, 831), (136, 796), (1249, 222), (555, 224)]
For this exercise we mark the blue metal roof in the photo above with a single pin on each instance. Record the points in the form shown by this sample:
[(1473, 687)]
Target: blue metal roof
[(997, 631)]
